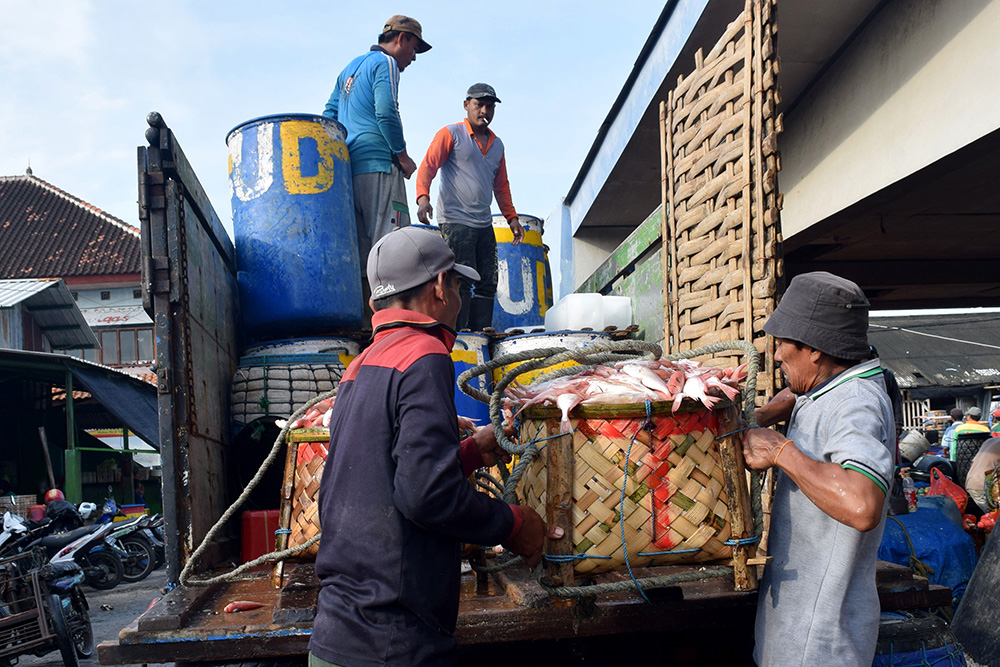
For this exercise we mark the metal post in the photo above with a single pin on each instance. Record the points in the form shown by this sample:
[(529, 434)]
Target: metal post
[(129, 494), (73, 475)]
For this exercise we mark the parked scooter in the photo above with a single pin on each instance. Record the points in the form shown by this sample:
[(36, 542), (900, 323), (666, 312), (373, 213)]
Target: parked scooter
[(101, 563), (130, 538), (31, 589)]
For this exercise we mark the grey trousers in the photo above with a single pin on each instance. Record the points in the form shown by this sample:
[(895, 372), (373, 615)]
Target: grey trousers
[(379, 207)]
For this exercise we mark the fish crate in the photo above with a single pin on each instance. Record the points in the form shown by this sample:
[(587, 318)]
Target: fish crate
[(299, 511), (645, 488)]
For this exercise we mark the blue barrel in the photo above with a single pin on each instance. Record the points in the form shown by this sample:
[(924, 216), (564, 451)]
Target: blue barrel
[(293, 219), (524, 281), (471, 350)]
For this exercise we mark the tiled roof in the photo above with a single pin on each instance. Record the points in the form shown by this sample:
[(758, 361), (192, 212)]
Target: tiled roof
[(48, 233)]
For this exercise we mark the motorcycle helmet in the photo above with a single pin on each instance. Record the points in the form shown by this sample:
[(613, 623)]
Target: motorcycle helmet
[(922, 467), (87, 510), (54, 494)]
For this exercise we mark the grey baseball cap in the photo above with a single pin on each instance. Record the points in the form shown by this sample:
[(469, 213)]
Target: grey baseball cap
[(408, 257), (480, 90), (826, 312), (974, 412)]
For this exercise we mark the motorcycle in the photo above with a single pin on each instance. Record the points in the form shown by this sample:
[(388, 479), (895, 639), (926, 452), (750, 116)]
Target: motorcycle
[(100, 562), (33, 590), (131, 538), (155, 534)]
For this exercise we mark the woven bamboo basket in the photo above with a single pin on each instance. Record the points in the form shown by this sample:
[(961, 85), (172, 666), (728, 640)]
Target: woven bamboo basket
[(676, 506), (299, 516)]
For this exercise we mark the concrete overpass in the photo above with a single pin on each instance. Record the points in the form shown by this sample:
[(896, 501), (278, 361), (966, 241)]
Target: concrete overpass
[(890, 154)]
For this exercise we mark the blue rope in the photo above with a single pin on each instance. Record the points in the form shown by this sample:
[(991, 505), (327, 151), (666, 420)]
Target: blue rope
[(667, 553), (621, 511), (283, 531), (567, 558), (739, 430), (740, 542)]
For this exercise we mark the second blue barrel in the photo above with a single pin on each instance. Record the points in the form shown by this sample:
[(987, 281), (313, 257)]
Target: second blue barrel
[(524, 282), (293, 221), (471, 350)]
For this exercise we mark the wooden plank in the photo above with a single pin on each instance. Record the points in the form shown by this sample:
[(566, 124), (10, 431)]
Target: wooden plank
[(915, 598), (195, 193), (559, 464), (741, 516), (175, 608), (297, 599)]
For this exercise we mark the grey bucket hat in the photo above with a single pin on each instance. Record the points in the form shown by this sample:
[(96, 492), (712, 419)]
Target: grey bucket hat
[(826, 312), (408, 257)]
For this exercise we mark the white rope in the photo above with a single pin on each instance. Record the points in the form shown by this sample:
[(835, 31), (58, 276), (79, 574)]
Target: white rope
[(186, 573)]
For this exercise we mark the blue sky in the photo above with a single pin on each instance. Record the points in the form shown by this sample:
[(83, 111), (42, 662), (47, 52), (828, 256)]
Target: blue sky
[(79, 77)]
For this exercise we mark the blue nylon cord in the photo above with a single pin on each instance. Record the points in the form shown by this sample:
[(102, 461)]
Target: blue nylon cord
[(567, 558), (621, 511), (739, 430), (667, 553)]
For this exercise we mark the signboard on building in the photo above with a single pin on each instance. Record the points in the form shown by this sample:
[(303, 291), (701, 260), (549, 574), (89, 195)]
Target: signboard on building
[(116, 316)]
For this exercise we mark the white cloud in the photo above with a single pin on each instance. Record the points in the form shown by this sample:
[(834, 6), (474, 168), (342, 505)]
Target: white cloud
[(38, 32)]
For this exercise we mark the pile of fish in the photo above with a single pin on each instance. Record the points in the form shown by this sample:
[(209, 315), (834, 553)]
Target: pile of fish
[(318, 416), (634, 381)]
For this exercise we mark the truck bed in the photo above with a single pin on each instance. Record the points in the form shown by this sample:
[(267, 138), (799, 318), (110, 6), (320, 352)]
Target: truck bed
[(189, 624)]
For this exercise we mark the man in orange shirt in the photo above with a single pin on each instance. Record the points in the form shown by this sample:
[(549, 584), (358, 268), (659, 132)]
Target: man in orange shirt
[(473, 170)]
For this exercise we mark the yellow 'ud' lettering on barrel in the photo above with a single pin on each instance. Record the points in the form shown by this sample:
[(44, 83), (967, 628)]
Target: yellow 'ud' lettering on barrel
[(291, 158), (544, 295)]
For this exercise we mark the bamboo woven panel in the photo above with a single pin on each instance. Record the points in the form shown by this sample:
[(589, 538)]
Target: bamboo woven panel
[(675, 507), (721, 233), (309, 456)]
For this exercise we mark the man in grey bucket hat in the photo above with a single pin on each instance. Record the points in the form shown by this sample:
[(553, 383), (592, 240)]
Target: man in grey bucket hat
[(833, 470)]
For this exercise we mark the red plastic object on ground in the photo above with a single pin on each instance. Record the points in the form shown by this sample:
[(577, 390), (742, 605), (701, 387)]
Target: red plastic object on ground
[(258, 533), (36, 512)]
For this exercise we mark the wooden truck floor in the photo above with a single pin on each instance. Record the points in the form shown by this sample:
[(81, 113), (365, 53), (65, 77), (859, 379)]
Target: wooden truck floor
[(189, 624)]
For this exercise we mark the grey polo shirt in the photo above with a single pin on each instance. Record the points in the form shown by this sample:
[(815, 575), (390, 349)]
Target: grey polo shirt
[(818, 603)]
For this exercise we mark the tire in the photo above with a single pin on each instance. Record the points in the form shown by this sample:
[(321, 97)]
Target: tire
[(59, 628), (80, 628), (141, 559), (103, 569)]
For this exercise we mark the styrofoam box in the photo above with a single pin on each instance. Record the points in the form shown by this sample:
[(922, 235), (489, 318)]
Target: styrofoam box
[(575, 312), (617, 311)]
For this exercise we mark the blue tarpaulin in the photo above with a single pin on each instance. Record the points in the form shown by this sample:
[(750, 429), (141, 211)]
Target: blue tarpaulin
[(937, 541)]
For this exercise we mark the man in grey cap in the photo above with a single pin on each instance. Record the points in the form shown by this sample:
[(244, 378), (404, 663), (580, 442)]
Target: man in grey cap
[(473, 170), (394, 500), (818, 602), (366, 102)]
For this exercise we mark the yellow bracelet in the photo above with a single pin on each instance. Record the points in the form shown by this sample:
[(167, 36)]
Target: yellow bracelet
[(779, 451)]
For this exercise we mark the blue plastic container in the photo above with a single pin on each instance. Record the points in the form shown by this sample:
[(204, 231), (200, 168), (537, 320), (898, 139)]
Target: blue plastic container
[(524, 281), (471, 350), (293, 218)]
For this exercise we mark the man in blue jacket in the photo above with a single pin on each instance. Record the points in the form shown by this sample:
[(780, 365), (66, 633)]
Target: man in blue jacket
[(395, 504), (366, 102)]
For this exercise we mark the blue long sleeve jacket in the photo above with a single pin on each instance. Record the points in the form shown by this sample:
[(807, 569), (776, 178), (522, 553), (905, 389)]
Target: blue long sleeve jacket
[(366, 102)]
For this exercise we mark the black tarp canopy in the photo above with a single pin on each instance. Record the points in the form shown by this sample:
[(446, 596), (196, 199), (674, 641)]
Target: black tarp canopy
[(129, 399)]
